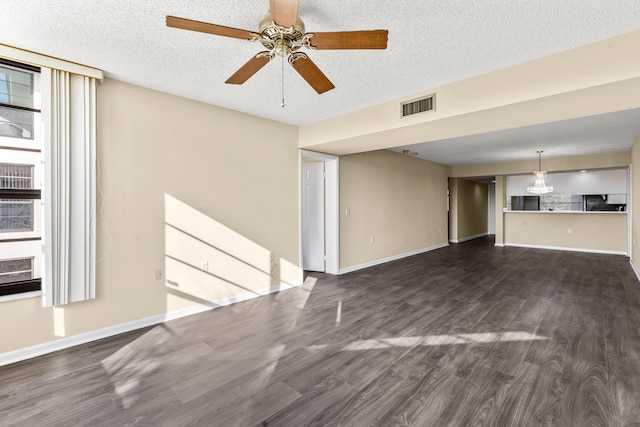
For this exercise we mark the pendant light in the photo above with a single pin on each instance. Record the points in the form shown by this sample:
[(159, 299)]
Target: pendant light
[(539, 187)]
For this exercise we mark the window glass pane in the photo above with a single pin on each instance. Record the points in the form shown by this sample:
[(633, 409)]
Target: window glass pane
[(560, 202), (16, 87), (16, 215), (12, 270), (16, 123), (16, 176)]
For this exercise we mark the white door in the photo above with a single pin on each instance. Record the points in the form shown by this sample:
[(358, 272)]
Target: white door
[(313, 216)]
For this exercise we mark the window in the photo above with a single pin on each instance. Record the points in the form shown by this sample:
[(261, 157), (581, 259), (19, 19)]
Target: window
[(20, 179), (47, 176)]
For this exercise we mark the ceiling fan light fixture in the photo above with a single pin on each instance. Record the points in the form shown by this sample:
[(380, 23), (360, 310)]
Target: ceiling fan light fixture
[(282, 33), (281, 48)]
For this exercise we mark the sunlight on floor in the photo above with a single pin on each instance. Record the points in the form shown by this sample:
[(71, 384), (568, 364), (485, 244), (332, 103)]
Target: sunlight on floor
[(127, 370), (431, 340), (130, 367)]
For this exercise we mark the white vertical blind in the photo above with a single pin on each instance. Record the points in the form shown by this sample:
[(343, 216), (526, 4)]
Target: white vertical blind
[(69, 110)]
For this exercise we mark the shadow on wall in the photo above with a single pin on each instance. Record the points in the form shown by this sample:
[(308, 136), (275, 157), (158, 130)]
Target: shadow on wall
[(208, 263)]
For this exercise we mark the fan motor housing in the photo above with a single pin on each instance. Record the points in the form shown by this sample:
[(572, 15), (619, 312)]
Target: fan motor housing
[(281, 38)]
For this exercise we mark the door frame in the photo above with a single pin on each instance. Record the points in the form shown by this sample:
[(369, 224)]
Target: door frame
[(491, 206), (331, 208)]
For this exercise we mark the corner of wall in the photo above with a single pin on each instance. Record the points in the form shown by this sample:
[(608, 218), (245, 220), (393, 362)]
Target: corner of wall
[(635, 200)]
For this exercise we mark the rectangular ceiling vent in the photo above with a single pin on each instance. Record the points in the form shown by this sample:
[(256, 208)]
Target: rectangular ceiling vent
[(421, 105)]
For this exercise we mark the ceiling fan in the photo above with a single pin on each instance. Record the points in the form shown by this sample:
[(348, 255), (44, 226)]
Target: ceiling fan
[(282, 33)]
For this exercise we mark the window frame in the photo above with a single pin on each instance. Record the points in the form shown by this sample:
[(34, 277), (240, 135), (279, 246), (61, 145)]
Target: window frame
[(24, 285)]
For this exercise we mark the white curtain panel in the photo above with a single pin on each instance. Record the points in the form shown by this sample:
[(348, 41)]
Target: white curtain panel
[(69, 113)]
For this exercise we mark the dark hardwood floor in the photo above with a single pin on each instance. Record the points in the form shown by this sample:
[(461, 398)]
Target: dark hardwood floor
[(468, 335)]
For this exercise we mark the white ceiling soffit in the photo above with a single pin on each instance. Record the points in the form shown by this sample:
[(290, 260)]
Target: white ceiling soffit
[(604, 133), (431, 43)]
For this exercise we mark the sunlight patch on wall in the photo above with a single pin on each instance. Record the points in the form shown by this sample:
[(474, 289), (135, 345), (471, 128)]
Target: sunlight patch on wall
[(206, 261), (59, 325)]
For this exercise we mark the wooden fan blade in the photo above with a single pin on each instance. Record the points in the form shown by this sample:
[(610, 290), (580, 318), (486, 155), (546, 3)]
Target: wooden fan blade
[(284, 12), (374, 39), (249, 69), (204, 27), (312, 74)]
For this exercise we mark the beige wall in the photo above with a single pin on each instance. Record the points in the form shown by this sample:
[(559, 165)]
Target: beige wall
[(635, 203), (591, 231), (469, 209), (181, 183), (400, 201)]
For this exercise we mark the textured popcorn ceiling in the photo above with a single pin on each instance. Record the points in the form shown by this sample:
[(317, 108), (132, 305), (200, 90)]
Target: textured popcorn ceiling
[(431, 43)]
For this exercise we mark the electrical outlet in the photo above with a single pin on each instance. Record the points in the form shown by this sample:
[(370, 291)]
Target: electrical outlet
[(347, 211), (371, 239), (570, 231), (204, 266), (158, 274)]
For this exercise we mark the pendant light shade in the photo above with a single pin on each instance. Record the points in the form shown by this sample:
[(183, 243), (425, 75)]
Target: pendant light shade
[(539, 186)]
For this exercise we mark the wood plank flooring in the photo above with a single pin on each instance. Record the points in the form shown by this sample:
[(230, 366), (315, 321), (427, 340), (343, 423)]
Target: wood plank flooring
[(468, 335)]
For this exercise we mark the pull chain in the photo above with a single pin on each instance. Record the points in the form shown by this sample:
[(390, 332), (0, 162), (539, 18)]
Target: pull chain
[(282, 104)]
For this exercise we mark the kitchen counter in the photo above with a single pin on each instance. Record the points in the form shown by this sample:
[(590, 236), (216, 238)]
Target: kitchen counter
[(566, 212)]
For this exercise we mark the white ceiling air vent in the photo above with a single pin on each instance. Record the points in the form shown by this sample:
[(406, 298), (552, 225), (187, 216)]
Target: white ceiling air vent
[(428, 103)]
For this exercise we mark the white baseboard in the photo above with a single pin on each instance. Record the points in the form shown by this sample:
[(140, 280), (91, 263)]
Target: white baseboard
[(500, 245), (66, 342), (561, 248), (635, 268), (391, 258), (464, 239)]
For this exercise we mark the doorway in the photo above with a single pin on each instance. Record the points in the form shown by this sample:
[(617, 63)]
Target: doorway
[(319, 212)]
